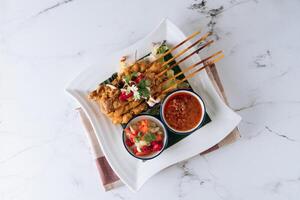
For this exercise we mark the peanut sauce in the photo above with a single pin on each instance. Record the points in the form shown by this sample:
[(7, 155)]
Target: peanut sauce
[(182, 111)]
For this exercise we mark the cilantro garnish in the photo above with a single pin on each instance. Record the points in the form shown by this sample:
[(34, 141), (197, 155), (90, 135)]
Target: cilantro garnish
[(127, 79), (134, 74), (137, 139), (143, 88), (140, 134), (144, 92), (149, 137), (144, 83)]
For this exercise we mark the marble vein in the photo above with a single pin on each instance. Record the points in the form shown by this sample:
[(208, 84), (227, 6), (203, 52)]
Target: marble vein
[(279, 134), (53, 7), (254, 104), (275, 186), (213, 13), (263, 60)]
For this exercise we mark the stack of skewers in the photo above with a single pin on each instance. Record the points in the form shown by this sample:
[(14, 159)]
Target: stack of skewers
[(146, 82)]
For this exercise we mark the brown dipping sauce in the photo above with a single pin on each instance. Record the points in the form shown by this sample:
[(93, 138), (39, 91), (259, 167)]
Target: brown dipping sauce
[(182, 111)]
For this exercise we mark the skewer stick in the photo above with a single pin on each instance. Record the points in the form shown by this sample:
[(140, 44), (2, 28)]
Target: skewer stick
[(178, 45), (192, 66), (185, 58), (195, 72), (185, 50)]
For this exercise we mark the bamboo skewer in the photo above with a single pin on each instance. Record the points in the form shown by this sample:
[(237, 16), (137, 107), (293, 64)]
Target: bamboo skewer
[(186, 49), (192, 66), (178, 45), (195, 72), (185, 58)]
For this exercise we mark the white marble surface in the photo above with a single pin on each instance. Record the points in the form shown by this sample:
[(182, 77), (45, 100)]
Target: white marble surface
[(43, 44)]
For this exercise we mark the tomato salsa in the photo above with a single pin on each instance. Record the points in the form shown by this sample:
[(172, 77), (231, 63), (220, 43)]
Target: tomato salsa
[(182, 111), (144, 138)]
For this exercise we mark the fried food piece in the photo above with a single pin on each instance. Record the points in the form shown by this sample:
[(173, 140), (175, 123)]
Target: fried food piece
[(156, 67), (135, 67), (156, 86), (135, 111), (144, 66), (107, 95), (123, 119), (107, 98), (124, 109)]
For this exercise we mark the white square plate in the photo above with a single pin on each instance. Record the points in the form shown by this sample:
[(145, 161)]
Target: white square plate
[(133, 172)]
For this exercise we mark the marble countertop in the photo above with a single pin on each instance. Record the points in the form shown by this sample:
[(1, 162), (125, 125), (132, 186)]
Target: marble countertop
[(44, 153)]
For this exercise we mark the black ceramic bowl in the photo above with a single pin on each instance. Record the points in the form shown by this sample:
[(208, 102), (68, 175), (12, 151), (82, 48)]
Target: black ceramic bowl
[(155, 120), (202, 111)]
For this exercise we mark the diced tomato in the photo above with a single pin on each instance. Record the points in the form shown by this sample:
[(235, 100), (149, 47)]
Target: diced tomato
[(143, 129), (123, 96), (134, 132), (138, 79), (129, 134), (142, 153), (159, 137), (127, 130), (143, 126), (146, 149), (129, 143), (132, 138), (156, 145), (134, 150)]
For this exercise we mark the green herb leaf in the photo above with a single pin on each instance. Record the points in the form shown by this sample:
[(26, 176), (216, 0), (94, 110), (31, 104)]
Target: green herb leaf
[(142, 88), (137, 139), (134, 75), (149, 137), (127, 79), (142, 84), (139, 134), (144, 92)]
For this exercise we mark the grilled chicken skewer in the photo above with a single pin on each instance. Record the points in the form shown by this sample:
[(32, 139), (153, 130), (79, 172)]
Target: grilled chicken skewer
[(107, 96)]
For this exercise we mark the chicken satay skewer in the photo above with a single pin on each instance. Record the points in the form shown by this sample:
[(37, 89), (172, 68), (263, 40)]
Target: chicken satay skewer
[(131, 103)]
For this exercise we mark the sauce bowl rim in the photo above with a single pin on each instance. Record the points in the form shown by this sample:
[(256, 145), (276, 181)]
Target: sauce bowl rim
[(202, 104)]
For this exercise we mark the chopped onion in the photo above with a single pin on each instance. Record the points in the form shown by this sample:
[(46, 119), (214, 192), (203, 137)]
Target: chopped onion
[(151, 102)]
